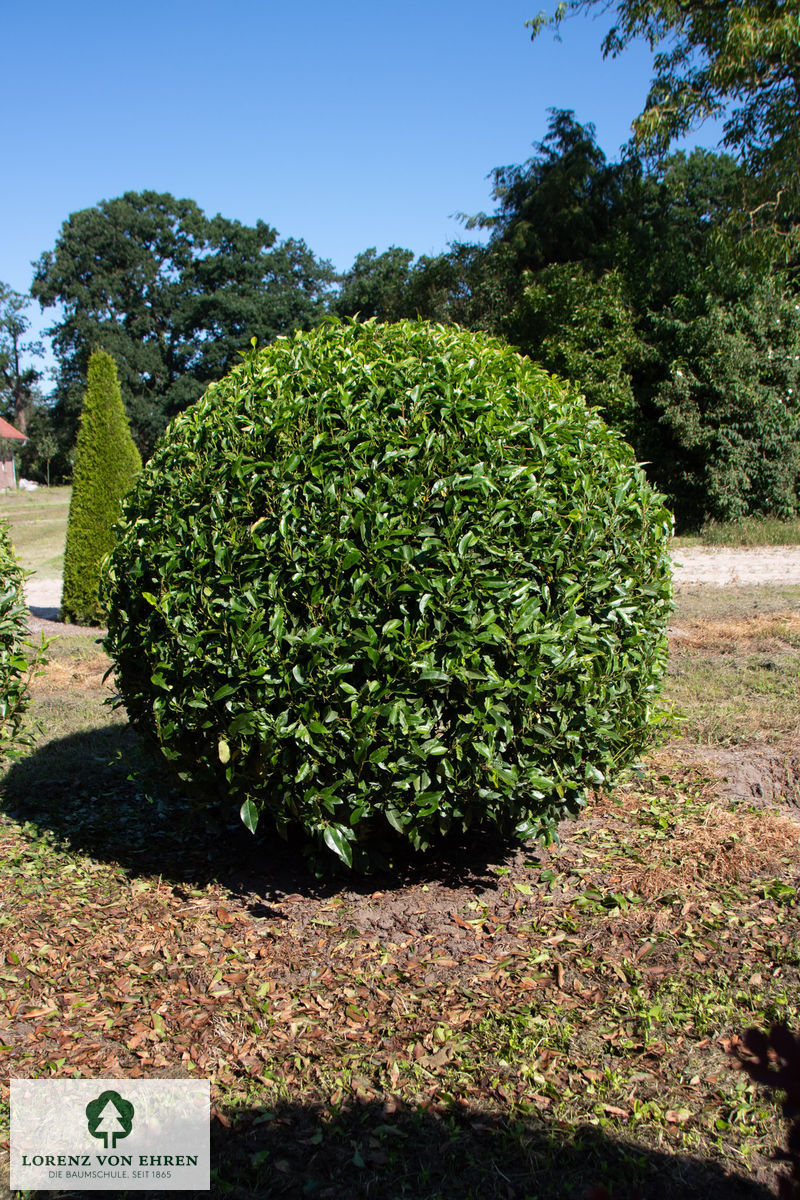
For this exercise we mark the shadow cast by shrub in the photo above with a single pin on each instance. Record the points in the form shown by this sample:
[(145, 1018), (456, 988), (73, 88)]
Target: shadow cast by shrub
[(361, 1152), (46, 613), (468, 1154), (99, 793)]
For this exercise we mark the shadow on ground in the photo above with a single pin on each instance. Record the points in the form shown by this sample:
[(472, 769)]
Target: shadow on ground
[(364, 1153), (97, 793), (47, 613)]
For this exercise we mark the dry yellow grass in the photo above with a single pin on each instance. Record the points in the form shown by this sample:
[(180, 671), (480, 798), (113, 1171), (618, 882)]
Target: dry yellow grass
[(80, 675), (760, 632), (709, 846)]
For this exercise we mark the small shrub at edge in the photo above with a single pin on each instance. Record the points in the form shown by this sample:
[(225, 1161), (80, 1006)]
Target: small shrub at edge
[(16, 666)]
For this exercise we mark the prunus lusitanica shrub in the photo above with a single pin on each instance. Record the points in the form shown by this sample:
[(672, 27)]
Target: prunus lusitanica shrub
[(391, 581), (16, 665), (106, 463)]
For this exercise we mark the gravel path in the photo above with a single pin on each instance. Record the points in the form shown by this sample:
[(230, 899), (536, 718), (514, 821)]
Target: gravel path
[(44, 602), (722, 566), (44, 597)]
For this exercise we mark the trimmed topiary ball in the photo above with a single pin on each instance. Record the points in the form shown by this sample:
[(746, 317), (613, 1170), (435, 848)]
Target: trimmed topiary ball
[(391, 582), (16, 665)]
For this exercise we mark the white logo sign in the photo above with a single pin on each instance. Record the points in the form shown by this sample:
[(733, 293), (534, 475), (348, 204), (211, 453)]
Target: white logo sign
[(93, 1134)]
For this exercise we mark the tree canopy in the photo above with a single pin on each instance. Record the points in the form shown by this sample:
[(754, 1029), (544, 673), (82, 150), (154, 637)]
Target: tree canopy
[(734, 59), (560, 205), (376, 285), (18, 378), (173, 296), (629, 279)]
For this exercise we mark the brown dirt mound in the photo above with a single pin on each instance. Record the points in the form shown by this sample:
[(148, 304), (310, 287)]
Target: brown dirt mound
[(756, 774)]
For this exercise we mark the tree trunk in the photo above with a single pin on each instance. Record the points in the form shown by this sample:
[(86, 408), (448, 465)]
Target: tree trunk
[(21, 405)]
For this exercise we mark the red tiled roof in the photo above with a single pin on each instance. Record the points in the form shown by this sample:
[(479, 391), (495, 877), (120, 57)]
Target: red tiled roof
[(8, 431)]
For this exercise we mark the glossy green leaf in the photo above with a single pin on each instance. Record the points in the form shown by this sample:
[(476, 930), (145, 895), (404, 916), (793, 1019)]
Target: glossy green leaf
[(336, 839), (249, 814)]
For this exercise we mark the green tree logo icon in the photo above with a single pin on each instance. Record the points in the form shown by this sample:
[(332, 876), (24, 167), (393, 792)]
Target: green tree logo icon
[(110, 1116)]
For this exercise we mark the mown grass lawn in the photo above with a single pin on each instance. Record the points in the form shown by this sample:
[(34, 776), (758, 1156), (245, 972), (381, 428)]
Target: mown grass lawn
[(38, 523), (525, 1023)]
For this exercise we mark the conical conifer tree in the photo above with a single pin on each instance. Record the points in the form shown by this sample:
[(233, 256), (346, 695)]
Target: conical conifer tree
[(105, 466)]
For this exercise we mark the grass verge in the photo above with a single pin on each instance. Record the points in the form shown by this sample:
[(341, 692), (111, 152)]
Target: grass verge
[(749, 531), (38, 523)]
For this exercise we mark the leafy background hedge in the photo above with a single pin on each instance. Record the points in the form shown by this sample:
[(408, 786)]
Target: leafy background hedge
[(391, 581)]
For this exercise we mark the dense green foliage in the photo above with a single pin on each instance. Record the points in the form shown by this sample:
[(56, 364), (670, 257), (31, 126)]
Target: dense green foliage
[(650, 304), (634, 283), (732, 402), (583, 329), (391, 581), (173, 295), (15, 666), (105, 466), (377, 285)]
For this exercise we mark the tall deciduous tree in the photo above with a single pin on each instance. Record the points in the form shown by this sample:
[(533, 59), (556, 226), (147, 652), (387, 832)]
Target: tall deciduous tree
[(18, 377), (376, 285), (583, 328), (105, 466), (626, 279), (173, 295), (738, 59), (729, 401), (553, 252), (559, 206)]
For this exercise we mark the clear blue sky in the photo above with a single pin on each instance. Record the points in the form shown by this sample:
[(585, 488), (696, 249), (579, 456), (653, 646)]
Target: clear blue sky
[(350, 125)]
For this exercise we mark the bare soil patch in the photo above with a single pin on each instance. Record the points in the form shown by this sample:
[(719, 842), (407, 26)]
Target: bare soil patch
[(744, 668), (756, 774), (762, 632)]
